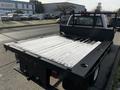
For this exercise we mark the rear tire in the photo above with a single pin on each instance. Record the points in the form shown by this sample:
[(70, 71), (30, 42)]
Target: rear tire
[(96, 73), (93, 77)]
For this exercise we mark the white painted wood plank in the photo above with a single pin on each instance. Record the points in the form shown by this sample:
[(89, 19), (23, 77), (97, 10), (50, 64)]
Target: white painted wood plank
[(59, 49)]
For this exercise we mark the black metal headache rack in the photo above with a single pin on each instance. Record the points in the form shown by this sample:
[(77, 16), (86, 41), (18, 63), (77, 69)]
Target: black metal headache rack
[(94, 14), (91, 31)]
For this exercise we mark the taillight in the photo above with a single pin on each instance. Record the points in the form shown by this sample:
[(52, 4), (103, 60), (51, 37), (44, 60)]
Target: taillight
[(54, 74)]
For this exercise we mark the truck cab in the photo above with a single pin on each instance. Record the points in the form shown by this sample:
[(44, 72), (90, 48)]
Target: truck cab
[(87, 20)]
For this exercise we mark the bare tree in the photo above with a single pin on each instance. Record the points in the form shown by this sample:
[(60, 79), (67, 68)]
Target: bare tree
[(39, 8), (19, 11), (99, 7), (32, 0), (118, 12), (65, 7)]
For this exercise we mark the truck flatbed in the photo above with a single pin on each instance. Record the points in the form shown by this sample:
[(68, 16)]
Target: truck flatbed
[(106, 73), (58, 49)]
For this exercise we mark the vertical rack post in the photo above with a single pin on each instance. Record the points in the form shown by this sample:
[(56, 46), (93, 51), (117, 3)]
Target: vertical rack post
[(114, 27), (73, 12)]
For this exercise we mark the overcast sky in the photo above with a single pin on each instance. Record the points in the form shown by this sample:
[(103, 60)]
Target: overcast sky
[(90, 4)]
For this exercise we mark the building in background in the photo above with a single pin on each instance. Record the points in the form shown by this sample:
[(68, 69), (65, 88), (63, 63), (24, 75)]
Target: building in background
[(51, 8), (9, 6)]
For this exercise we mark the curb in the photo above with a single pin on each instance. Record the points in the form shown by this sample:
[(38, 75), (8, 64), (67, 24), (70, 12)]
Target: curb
[(27, 25), (113, 72)]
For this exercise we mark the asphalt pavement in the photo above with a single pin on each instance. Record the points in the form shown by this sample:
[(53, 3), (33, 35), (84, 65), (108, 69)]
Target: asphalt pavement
[(27, 28), (9, 78), (29, 32)]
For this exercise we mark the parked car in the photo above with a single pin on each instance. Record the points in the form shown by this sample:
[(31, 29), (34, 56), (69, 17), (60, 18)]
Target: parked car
[(24, 16), (4, 18), (37, 16), (58, 20), (117, 24), (47, 16), (13, 16)]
